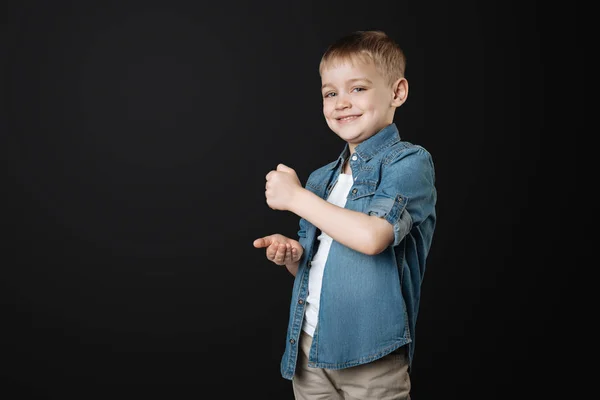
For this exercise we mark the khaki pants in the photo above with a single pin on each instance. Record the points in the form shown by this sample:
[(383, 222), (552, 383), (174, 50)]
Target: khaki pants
[(383, 379)]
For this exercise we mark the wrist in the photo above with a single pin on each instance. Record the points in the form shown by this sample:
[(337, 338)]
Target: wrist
[(296, 200)]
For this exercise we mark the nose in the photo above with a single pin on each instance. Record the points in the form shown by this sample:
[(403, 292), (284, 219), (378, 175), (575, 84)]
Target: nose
[(342, 102)]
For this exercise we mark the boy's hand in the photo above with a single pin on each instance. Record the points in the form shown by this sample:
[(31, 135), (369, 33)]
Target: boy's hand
[(280, 249), (282, 184)]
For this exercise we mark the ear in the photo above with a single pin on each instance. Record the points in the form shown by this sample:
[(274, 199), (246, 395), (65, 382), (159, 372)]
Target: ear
[(400, 88)]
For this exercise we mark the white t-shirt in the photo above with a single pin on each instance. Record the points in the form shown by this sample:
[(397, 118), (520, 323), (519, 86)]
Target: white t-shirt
[(311, 313)]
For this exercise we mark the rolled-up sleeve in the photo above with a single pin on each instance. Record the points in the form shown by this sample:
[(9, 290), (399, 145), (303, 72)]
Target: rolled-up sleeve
[(406, 194), (302, 228), (302, 233)]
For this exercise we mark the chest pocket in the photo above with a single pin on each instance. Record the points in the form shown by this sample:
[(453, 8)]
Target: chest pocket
[(315, 187), (363, 189)]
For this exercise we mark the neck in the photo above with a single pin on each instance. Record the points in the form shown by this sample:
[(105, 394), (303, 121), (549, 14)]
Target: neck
[(346, 167)]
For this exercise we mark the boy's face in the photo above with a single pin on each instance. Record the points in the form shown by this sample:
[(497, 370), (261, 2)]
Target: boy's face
[(357, 100)]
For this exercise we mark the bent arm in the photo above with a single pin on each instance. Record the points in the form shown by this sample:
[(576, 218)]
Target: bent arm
[(405, 198), (361, 232)]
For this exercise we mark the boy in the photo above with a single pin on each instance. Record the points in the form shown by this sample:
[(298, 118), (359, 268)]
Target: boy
[(366, 226)]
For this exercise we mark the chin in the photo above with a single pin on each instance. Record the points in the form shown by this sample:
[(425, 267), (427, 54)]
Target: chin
[(350, 131), (346, 132)]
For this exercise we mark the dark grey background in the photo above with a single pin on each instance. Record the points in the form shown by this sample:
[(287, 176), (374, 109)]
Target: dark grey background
[(135, 141)]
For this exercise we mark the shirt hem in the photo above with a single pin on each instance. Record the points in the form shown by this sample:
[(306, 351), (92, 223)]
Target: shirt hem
[(362, 360)]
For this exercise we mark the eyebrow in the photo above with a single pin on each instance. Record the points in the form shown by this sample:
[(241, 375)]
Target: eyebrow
[(350, 81)]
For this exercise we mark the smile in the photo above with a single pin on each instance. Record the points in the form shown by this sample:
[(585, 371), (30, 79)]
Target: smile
[(349, 118)]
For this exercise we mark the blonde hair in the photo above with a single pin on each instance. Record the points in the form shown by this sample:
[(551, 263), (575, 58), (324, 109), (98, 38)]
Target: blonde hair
[(367, 46)]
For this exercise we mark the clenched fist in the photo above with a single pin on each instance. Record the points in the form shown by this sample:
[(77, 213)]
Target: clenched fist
[(281, 187)]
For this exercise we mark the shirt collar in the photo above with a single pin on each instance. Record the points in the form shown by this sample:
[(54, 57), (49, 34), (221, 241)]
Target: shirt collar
[(373, 145)]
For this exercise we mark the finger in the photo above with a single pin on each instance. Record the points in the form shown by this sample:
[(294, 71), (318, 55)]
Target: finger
[(295, 255), (272, 250), (284, 168), (288, 253), (268, 176), (280, 255)]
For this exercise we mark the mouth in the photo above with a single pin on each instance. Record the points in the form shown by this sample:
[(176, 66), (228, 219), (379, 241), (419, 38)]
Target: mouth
[(347, 119)]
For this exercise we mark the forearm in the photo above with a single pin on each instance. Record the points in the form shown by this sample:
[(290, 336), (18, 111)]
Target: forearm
[(361, 232)]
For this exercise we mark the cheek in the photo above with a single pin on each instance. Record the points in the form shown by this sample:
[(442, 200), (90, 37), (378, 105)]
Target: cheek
[(368, 103)]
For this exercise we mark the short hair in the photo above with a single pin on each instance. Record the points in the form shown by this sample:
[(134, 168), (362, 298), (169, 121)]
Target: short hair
[(368, 46)]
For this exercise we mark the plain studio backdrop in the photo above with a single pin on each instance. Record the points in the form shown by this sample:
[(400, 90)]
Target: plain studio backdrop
[(135, 140)]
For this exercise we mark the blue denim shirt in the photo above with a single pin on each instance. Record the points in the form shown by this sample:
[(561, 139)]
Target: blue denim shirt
[(369, 304)]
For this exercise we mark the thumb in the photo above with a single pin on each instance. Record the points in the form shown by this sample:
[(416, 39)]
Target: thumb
[(262, 242), (284, 168)]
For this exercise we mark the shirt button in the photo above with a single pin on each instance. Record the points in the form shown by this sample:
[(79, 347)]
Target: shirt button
[(354, 191), (354, 158), (292, 341), (300, 301)]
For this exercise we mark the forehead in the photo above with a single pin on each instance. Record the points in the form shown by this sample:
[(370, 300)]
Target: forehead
[(339, 70)]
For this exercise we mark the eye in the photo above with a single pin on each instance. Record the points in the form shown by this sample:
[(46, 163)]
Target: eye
[(329, 94), (358, 89)]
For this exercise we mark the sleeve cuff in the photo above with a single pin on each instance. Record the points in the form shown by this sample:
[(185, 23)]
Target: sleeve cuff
[(394, 211)]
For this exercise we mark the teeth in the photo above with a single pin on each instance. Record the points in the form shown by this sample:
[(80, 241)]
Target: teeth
[(347, 118)]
